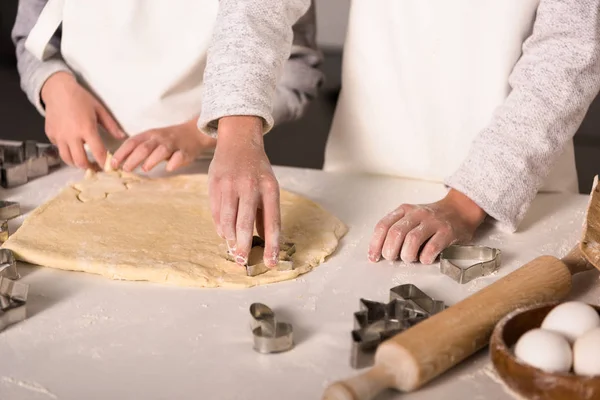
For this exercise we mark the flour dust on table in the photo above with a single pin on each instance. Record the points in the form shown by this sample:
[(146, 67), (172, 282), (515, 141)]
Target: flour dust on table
[(124, 226)]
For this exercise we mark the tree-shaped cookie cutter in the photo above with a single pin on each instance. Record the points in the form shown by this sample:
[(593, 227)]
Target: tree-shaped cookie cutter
[(270, 336), (376, 322), (486, 261)]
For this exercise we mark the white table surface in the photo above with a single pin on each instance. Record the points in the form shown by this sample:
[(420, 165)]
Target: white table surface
[(88, 337)]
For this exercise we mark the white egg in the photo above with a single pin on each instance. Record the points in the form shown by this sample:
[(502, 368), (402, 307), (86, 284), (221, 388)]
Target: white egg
[(571, 319), (586, 354), (545, 350)]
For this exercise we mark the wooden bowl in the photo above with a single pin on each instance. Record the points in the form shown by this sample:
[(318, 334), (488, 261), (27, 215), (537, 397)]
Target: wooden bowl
[(531, 382)]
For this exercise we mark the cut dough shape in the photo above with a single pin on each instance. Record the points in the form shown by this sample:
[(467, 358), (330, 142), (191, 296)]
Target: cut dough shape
[(127, 227)]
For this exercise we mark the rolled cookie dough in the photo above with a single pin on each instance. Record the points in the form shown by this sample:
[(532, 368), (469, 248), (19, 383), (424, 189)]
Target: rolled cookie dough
[(123, 226)]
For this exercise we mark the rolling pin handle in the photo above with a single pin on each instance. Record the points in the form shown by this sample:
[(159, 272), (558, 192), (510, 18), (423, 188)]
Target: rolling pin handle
[(361, 387)]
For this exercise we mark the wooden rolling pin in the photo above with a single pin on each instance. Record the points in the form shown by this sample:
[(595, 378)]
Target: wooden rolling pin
[(414, 357)]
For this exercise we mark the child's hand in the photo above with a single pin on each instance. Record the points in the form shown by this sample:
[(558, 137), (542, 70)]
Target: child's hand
[(243, 189), (180, 145), (404, 231), (72, 118)]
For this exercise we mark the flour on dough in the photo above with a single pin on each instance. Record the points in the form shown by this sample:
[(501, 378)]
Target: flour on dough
[(127, 227)]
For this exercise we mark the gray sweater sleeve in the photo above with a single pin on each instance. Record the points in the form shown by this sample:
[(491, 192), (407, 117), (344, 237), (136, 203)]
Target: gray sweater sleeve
[(32, 71), (251, 42), (553, 84)]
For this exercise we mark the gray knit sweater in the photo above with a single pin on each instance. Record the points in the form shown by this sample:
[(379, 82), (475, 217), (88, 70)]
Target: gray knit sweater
[(553, 85)]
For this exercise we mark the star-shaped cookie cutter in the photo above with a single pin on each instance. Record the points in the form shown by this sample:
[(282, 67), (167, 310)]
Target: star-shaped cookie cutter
[(481, 260), (377, 322)]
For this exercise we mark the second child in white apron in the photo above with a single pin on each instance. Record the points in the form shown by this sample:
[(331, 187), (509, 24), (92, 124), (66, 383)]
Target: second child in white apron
[(484, 96), (157, 71)]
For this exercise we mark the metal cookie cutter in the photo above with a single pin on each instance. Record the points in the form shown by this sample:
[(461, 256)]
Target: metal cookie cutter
[(270, 336), (377, 322), (8, 265), (418, 303), (477, 261), (13, 296), (21, 161), (8, 210), (256, 265)]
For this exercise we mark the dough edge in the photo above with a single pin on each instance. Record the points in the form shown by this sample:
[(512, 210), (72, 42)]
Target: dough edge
[(24, 252)]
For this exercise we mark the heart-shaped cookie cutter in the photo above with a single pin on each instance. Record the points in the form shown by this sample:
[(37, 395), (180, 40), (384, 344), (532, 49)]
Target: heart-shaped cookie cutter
[(486, 261)]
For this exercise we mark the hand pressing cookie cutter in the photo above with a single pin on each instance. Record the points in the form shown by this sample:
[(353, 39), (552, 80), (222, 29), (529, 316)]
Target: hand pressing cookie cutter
[(13, 296), (256, 265), (270, 336), (487, 260), (377, 322)]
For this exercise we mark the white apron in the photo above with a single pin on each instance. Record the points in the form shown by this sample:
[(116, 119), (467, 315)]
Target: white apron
[(143, 59), (420, 79)]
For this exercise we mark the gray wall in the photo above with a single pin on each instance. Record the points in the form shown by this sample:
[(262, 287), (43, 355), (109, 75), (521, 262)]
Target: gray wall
[(332, 20)]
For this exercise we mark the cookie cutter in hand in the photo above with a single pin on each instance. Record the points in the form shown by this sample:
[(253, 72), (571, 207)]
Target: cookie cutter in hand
[(487, 260), (256, 265), (377, 322), (13, 296), (270, 336)]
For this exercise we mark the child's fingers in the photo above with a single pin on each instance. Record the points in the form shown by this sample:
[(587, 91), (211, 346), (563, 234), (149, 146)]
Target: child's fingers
[(245, 226), (178, 160), (125, 150), (260, 223), (228, 214), (272, 221), (65, 153), (78, 154), (396, 235), (109, 123), (214, 196), (381, 231), (97, 148), (139, 154), (415, 239), (161, 153)]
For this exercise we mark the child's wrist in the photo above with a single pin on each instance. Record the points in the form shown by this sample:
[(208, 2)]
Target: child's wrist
[(470, 211), (240, 127)]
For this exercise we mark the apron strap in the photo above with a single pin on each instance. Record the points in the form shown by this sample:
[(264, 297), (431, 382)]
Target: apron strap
[(38, 40)]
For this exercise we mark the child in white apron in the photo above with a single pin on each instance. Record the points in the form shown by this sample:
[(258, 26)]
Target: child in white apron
[(484, 96), (156, 71)]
